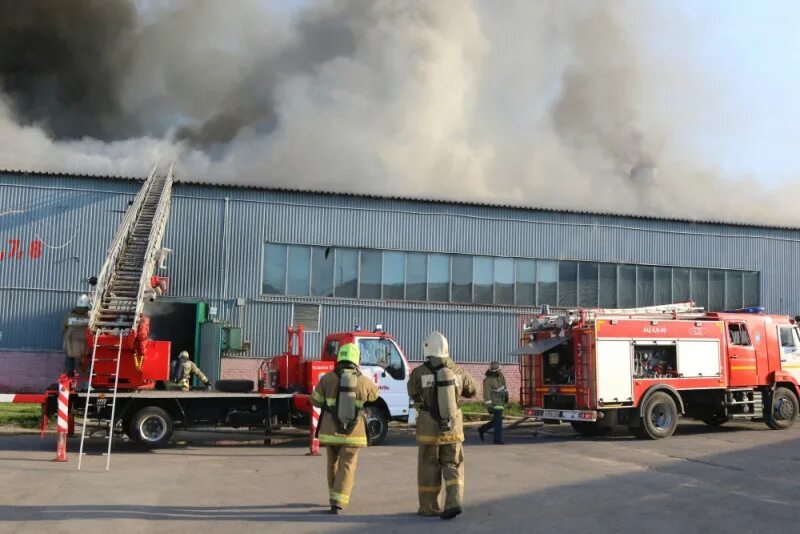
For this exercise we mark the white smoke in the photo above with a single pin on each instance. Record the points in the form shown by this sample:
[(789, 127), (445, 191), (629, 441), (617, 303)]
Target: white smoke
[(544, 104)]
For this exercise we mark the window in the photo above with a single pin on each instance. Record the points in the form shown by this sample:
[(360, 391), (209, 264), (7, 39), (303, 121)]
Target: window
[(438, 278), (567, 283), (699, 287), (716, 290), (738, 334), (462, 279), (733, 290), (393, 275), (370, 286), (663, 289), (503, 281), (322, 272), (346, 273), (274, 279), (483, 280), (750, 289), (382, 352), (332, 348), (547, 282), (627, 286), (644, 286), (299, 264), (787, 336), (608, 285), (680, 285), (587, 285), (525, 277), (416, 266), (306, 315)]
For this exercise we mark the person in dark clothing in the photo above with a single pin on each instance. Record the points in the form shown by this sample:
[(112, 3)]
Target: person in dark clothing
[(495, 397)]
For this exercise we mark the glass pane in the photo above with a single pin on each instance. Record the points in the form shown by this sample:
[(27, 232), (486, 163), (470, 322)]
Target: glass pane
[(415, 276), (567, 283), (462, 278), (547, 281), (608, 285), (680, 285), (504, 281), (733, 290), (321, 272), (299, 258), (526, 282), (587, 285), (627, 286), (438, 277), (483, 278), (716, 290), (663, 292), (644, 286), (370, 283), (346, 273), (274, 279), (751, 290), (394, 275), (699, 289)]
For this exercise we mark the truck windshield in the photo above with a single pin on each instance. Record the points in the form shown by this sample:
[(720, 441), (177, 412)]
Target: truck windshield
[(382, 352)]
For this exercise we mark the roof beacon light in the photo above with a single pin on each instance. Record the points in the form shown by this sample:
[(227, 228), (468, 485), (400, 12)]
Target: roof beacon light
[(378, 327), (750, 309), (357, 328)]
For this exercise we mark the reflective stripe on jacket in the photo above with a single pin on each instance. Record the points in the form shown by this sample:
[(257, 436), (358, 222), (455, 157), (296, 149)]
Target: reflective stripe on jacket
[(325, 396)]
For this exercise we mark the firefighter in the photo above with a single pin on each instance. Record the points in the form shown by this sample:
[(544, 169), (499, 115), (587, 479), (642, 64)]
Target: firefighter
[(342, 428), (73, 330), (495, 396), (434, 387), (187, 368)]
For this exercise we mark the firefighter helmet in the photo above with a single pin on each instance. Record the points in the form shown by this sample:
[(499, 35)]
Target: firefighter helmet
[(349, 353), (495, 367), (83, 301), (184, 355), (436, 345)]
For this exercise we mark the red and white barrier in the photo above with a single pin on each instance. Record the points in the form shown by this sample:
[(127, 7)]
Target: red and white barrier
[(62, 424), (313, 440)]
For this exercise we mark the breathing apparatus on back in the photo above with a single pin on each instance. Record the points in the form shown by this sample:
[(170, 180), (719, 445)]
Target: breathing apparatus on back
[(445, 408), (345, 411)]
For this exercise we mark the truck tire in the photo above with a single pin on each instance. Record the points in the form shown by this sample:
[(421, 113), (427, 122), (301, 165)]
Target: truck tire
[(715, 420), (659, 417), (151, 426), (783, 409), (234, 386), (377, 424), (590, 429)]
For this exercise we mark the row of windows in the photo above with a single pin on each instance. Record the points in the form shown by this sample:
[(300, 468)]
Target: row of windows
[(302, 270)]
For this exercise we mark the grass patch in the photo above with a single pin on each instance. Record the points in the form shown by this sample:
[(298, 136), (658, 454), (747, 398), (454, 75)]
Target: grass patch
[(476, 411), (24, 415)]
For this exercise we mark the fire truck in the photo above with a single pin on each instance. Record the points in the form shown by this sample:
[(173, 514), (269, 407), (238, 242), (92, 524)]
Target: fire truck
[(644, 368), (130, 365)]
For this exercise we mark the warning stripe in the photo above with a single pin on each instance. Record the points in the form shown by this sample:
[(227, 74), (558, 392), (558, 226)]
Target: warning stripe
[(27, 398)]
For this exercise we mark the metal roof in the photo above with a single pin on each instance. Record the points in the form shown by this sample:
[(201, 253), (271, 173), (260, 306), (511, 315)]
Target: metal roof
[(429, 200)]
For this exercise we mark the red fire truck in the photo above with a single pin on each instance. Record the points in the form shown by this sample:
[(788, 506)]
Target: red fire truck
[(643, 368)]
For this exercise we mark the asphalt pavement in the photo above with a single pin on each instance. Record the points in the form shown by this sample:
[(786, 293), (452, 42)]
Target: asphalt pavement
[(737, 478)]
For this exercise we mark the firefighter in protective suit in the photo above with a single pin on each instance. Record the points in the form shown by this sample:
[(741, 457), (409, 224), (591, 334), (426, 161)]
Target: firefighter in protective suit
[(435, 387), (342, 428), (73, 329), (187, 368)]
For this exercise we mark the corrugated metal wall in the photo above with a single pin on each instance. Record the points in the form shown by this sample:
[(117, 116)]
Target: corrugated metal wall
[(218, 234)]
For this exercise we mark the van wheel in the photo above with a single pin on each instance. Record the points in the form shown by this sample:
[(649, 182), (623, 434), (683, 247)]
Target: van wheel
[(784, 408), (659, 417), (590, 429), (151, 426), (377, 424)]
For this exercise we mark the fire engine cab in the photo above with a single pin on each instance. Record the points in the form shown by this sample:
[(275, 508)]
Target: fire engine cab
[(644, 367)]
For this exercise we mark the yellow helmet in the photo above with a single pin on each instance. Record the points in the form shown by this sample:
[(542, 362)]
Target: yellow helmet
[(349, 353)]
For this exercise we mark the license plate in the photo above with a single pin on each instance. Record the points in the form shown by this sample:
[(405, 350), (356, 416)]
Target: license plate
[(565, 415)]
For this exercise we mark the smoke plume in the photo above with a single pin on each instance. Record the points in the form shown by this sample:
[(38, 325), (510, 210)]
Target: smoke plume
[(556, 104)]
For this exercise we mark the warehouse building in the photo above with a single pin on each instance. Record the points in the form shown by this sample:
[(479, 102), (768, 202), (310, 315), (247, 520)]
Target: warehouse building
[(261, 259)]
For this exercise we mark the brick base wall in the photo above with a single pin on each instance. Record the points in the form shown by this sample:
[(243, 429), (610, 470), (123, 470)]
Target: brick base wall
[(29, 372), (247, 369)]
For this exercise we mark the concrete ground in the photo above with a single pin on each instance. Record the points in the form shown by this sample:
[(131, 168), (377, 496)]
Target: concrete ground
[(740, 478)]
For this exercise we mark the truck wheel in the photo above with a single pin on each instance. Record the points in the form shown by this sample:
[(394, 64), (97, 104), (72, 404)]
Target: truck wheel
[(234, 386), (377, 424), (784, 409), (659, 417), (151, 426), (590, 429), (716, 420)]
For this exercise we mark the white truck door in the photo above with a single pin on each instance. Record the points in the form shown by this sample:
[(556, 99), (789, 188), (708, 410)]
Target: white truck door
[(381, 361), (790, 349), (614, 374)]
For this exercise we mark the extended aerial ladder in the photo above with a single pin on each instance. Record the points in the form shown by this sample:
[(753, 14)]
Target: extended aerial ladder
[(117, 331)]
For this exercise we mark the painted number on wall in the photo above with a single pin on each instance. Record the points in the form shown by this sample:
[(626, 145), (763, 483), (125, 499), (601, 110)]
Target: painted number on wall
[(16, 250)]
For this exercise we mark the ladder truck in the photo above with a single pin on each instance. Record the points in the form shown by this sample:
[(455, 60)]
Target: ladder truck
[(125, 389), (643, 368)]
